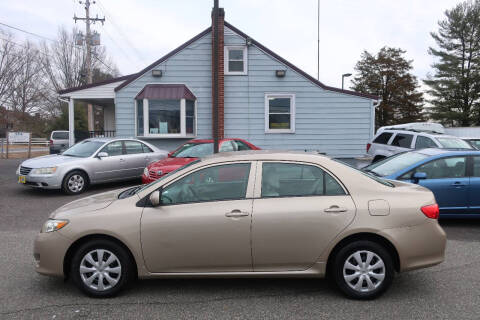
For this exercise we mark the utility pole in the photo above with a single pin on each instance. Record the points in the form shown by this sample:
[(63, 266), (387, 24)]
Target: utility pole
[(89, 43)]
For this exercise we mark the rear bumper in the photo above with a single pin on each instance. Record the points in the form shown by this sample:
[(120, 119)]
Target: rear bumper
[(49, 250), (418, 246)]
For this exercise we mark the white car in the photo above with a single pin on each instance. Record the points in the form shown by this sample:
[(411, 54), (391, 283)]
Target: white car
[(391, 140)]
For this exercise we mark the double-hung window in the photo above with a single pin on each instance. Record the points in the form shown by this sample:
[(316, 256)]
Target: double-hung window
[(236, 60), (165, 111), (279, 113)]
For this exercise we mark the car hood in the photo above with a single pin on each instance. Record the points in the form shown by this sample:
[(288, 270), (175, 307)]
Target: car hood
[(88, 204), (170, 164), (49, 161)]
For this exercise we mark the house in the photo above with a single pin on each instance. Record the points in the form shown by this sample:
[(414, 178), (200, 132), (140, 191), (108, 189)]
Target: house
[(261, 98)]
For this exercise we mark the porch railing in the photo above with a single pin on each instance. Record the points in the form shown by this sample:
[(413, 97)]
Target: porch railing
[(102, 133)]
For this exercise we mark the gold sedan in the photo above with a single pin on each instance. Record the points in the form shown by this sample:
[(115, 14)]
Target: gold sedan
[(247, 214)]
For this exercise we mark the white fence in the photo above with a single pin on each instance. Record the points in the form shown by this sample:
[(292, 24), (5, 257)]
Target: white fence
[(35, 142), (22, 149)]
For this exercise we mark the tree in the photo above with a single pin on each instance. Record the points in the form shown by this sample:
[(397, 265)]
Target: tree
[(388, 75), (455, 84), (10, 62)]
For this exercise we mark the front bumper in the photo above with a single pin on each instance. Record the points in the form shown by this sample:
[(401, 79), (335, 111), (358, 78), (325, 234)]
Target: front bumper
[(418, 246), (43, 181), (49, 250)]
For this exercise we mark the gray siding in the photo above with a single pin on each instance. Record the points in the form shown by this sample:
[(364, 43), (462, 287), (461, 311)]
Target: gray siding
[(335, 123), (192, 67)]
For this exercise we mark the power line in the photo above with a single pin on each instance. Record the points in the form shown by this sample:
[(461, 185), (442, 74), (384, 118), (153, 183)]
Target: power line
[(56, 41)]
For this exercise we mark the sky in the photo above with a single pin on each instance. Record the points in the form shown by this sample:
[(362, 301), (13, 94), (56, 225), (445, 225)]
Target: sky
[(138, 32)]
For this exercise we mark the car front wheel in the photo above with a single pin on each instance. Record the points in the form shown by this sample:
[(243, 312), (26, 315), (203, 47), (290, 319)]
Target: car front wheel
[(75, 182), (101, 268), (363, 270)]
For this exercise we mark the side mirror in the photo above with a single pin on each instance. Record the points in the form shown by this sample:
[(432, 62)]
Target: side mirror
[(155, 198), (419, 176), (102, 155)]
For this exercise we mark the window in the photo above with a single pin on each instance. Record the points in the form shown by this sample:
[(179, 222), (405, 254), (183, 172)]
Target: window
[(224, 182), (444, 168), (475, 143), (83, 149), (242, 145), (113, 148), (139, 117), (133, 147), (228, 146), (146, 148), (476, 166), (383, 138), (292, 180), (424, 142), (193, 150), (280, 113), (165, 118), (390, 165), (236, 58), (455, 143), (60, 135), (402, 140)]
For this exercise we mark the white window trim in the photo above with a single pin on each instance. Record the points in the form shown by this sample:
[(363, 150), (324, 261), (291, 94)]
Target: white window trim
[(226, 60), (183, 127), (292, 112)]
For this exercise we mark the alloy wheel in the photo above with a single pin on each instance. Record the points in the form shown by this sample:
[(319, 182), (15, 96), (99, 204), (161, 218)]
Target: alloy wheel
[(76, 183)]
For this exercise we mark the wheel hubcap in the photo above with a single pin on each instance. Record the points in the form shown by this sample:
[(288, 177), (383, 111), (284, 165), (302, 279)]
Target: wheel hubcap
[(76, 183), (364, 271), (100, 270)]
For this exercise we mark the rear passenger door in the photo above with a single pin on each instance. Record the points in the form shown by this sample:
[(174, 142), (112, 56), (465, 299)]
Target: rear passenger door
[(297, 210), (136, 158), (401, 142)]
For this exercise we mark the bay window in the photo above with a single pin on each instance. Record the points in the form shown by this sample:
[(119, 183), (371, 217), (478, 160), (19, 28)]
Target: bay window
[(165, 111)]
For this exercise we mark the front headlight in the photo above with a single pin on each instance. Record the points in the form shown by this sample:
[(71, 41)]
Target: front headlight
[(50, 170), (145, 172), (53, 225)]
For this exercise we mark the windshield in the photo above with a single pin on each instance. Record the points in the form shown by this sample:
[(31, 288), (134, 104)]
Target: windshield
[(367, 174), (83, 149), (395, 163), (454, 143), (194, 150), (140, 188)]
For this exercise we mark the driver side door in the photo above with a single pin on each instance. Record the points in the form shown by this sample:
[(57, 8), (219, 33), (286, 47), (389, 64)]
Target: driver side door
[(203, 223)]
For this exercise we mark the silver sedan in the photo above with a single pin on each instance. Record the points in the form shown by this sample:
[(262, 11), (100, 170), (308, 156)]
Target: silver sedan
[(88, 162)]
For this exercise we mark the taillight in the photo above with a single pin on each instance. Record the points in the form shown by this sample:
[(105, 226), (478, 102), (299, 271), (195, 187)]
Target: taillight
[(51, 142), (368, 146), (431, 211)]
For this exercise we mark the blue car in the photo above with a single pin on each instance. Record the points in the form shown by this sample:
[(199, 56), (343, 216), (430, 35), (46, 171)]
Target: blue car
[(452, 175)]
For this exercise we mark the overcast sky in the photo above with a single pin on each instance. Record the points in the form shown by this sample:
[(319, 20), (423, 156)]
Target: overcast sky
[(138, 32)]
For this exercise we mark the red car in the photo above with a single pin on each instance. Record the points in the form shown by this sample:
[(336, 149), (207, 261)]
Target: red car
[(189, 152)]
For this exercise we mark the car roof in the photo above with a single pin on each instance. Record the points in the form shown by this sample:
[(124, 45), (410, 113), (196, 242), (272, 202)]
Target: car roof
[(436, 151), (427, 133), (211, 140), (108, 139), (264, 155)]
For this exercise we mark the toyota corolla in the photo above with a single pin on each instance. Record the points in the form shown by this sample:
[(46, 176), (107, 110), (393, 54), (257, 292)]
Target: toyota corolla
[(247, 214)]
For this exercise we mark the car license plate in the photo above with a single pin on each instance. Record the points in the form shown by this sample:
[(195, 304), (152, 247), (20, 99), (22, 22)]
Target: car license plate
[(21, 179)]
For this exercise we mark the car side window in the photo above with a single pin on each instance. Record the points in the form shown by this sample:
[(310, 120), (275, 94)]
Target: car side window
[(293, 180), (454, 167), (402, 140), (476, 166), (228, 146), (223, 182), (146, 148), (113, 148), (383, 138), (133, 147), (424, 142), (242, 145)]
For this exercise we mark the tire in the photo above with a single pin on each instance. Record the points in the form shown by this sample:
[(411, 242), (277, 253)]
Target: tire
[(375, 281), (75, 182), (119, 270)]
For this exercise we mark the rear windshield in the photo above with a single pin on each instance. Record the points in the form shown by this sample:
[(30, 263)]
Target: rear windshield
[(383, 138), (454, 143), (60, 135), (394, 163)]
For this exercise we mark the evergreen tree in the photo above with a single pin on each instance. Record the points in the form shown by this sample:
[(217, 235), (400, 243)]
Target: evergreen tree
[(388, 75), (455, 84)]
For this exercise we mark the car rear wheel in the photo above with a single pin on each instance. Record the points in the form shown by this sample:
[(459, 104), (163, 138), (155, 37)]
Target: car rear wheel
[(101, 268), (363, 270), (75, 182)]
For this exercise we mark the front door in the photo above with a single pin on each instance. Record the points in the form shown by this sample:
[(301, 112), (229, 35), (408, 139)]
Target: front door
[(111, 167), (297, 212), (447, 179), (203, 223)]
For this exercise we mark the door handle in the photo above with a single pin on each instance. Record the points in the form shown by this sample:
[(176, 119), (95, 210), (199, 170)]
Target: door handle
[(122, 160), (335, 209), (458, 184), (236, 213)]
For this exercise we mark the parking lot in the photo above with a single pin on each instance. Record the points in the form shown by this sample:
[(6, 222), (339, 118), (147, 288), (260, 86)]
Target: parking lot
[(446, 291)]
